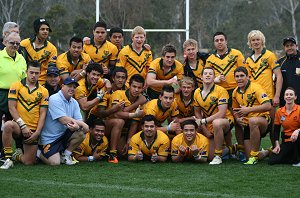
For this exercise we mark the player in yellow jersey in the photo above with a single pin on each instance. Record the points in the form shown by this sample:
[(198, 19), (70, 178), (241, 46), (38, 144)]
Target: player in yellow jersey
[(93, 147), (251, 106), (211, 111), (194, 62), (165, 110), (116, 37), (89, 93), (39, 48), (28, 103), (185, 99), (150, 143), (134, 57), (74, 61), (101, 50), (189, 145), (163, 71), (261, 65), (127, 116)]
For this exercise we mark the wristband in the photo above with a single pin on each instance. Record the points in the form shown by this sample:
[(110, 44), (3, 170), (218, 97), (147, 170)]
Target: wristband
[(20, 122), (168, 128), (82, 73), (203, 121), (23, 126), (91, 158)]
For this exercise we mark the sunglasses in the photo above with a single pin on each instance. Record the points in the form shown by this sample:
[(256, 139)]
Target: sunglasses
[(14, 43)]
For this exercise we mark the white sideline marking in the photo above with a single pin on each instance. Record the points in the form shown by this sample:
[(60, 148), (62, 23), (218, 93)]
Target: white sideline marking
[(121, 187)]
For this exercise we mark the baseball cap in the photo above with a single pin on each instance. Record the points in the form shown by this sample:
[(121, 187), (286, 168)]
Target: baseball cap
[(70, 80), (52, 70), (289, 39), (38, 23)]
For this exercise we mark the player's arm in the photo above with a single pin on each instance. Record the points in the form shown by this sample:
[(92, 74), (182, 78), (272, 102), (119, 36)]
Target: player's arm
[(152, 81), (86, 105), (278, 86), (140, 101), (220, 114), (201, 123), (65, 120)]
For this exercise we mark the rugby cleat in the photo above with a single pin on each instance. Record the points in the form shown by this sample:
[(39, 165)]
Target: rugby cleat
[(66, 159), (297, 165), (251, 161), (112, 158), (7, 164), (241, 156), (217, 160), (17, 153)]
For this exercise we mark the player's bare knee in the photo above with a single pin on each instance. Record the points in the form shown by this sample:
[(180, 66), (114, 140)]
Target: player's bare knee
[(253, 121)]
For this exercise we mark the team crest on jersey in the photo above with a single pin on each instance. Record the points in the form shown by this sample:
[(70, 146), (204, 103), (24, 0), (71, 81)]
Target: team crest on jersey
[(105, 54), (39, 96), (214, 100), (146, 56), (231, 58), (282, 118), (250, 98), (264, 62), (264, 95), (44, 56)]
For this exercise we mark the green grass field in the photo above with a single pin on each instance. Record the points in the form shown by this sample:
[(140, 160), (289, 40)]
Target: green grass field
[(144, 179)]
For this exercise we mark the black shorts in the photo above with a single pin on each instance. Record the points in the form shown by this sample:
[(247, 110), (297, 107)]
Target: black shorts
[(269, 128), (58, 145)]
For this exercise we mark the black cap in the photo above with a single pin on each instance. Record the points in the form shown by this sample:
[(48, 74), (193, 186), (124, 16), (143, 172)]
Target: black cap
[(70, 80), (52, 70), (289, 39), (38, 23)]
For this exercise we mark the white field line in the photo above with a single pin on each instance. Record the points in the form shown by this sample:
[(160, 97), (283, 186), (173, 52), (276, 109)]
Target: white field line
[(122, 187)]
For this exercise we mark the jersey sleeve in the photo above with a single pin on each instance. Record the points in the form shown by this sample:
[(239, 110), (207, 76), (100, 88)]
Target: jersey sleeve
[(223, 97), (133, 145), (13, 91), (261, 95), (45, 99), (164, 148)]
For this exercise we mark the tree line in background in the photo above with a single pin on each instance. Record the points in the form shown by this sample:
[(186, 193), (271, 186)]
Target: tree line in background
[(275, 18)]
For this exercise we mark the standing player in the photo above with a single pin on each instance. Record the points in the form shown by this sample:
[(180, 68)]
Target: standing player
[(262, 65), (74, 61), (194, 62), (28, 102), (149, 143), (39, 48), (134, 57), (101, 50), (251, 106), (93, 147), (189, 145), (163, 71), (211, 111)]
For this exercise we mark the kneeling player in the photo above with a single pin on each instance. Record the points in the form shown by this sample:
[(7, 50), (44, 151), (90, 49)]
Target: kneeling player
[(189, 145), (93, 147), (149, 143)]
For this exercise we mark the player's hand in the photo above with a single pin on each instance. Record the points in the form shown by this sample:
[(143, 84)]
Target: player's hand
[(139, 155), (73, 126), (175, 125), (154, 157), (108, 85), (139, 112), (295, 135), (119, 106), (242, 111), (182, 150), (34, 136), (26, 132), (97, 155), (276, 101), (222, 78), (195, 150), (147, 47)]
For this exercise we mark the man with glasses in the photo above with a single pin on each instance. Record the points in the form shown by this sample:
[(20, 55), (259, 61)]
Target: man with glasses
[(8, 27), (12, 69)]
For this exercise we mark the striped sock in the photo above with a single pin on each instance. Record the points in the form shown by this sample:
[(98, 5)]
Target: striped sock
[(8, 152)]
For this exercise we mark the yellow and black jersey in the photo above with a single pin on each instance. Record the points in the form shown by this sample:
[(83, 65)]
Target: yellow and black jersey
[(87, 149), (105, 53), (29, 102), (200, 141), (226, 64), (45, 55), (160, 144), (197, 72), (154, 107), (133, 62), (185, 109), (254, 95), (66, 65), (156, 67), (84, 90), (261, 70)]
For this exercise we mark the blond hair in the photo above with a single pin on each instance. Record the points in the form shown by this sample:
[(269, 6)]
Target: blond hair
[(190, 42), (188, 80), (138, 30), (259, 34)]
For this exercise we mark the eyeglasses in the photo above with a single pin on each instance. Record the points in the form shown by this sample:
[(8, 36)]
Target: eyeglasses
[(14, 43)]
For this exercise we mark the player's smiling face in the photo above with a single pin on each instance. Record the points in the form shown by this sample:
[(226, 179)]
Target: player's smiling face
[(208, 76), (93, 77), (149, 129), (169, 59), (220, 43), (75, 49), (186, 89), (166, 99), (189, 132), (256, 42), (44, 31), (138, 40), (241, 79), (191, 52), (98, 132)]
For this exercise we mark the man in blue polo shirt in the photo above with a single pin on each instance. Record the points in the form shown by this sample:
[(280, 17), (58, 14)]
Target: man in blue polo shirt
[(64, 129)]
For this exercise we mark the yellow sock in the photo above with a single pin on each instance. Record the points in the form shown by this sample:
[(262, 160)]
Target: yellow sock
[(8, 152), (218, 152), (254, 154)]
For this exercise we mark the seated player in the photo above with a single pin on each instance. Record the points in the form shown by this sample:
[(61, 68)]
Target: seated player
[(211, 111), (52, 80), (89, 93), (93, 147), (251, 107), (189, 145), (28, 103), (287, 117), (126, 117), (150, 143), (64, 129), (165, 110), (185, 99)]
